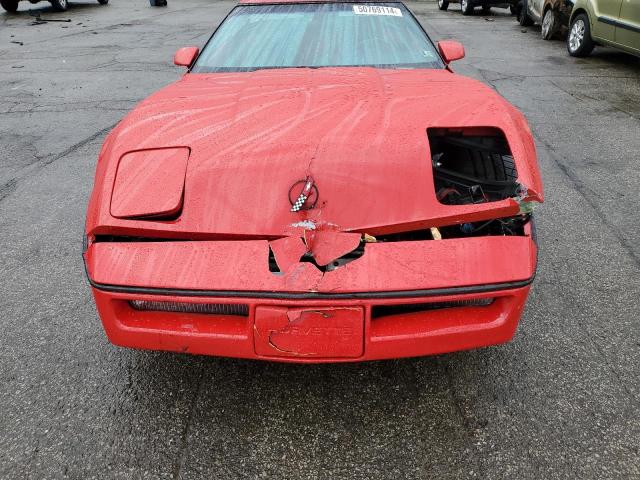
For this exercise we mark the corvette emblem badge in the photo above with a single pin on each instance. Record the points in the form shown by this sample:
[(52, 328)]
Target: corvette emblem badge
[(308, 196)]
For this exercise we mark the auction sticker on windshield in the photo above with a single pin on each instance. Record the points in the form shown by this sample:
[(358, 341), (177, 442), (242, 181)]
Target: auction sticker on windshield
[(376, 10)]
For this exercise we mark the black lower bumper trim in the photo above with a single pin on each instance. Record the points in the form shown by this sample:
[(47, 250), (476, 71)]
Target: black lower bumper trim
[(433, 292)]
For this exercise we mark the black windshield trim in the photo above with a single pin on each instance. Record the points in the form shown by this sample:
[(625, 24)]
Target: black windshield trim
[(398, 66)]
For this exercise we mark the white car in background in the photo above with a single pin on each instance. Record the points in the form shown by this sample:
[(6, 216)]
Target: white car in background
[(60, 5)]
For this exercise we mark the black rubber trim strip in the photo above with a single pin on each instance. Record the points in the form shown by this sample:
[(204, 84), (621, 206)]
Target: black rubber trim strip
[(607, 20), (433, 292), (618, 23)]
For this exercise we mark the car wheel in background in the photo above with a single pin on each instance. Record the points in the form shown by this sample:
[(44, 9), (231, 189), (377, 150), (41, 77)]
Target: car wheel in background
[(443, 4), (486, 9), (466, 6), (103, 2), (523, 17), (550, 24), (59, 5), (579, 42), (9, 5)]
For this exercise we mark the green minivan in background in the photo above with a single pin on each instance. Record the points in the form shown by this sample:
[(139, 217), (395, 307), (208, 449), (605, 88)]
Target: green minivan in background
[(615, 23)]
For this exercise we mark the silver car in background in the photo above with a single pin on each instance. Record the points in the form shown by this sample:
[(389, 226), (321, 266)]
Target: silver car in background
[(552, 15)]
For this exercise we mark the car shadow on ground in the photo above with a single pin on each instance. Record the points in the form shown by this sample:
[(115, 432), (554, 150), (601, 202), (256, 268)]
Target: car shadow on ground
[(493, 12), (615, 57)]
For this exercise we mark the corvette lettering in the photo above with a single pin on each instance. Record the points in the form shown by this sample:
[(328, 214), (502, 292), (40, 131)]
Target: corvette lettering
[(317, 331)]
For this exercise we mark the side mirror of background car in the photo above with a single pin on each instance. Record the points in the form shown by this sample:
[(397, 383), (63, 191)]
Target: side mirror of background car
[(185, 56), (451, 50)]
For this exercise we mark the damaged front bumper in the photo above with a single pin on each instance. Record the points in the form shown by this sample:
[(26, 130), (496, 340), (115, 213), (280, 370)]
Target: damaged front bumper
[(399, 299)]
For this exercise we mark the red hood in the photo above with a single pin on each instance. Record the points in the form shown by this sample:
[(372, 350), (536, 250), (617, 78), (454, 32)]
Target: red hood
[(360, 133)]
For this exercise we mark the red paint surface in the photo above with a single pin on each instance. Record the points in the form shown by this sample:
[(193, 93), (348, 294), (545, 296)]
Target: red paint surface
[(243, 266), (450, 50), (258, 2), (327, 246), (429, 333), (185, 56), (150, 182), (319, 333), (361, 133), (287, 251)]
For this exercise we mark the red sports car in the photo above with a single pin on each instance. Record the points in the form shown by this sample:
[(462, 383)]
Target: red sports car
[(319, 187)]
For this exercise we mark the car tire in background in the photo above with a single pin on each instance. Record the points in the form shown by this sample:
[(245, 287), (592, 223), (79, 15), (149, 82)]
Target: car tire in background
[(9, 5), (443, 4), (486, 9), (103, 2), (59, 5), (550, 24), (579, 41), (523, 17), (466, 6)]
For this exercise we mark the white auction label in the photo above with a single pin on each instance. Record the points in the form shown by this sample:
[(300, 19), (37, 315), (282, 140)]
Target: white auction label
[(376, 10)]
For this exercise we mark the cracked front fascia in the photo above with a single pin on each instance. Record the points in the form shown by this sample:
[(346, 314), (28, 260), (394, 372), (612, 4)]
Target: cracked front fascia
[(325, 246), (328, 246), (243, 266)]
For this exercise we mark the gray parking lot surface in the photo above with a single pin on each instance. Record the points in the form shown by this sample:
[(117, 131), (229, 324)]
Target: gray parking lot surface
[(560, 401)]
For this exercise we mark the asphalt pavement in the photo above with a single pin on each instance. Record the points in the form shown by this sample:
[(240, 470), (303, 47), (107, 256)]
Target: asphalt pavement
[(561, 401)]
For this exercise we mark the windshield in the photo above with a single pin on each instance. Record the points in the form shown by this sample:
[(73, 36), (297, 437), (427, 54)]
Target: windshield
[(380, 35)]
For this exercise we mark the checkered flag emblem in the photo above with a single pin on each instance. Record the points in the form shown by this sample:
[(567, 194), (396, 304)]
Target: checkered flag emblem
[(299, 203)]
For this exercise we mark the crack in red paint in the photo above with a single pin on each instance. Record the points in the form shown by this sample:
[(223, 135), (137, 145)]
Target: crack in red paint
[(286, 330)]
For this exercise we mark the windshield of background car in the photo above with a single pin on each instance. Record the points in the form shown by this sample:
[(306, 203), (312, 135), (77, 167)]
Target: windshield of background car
[(380, 35)]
